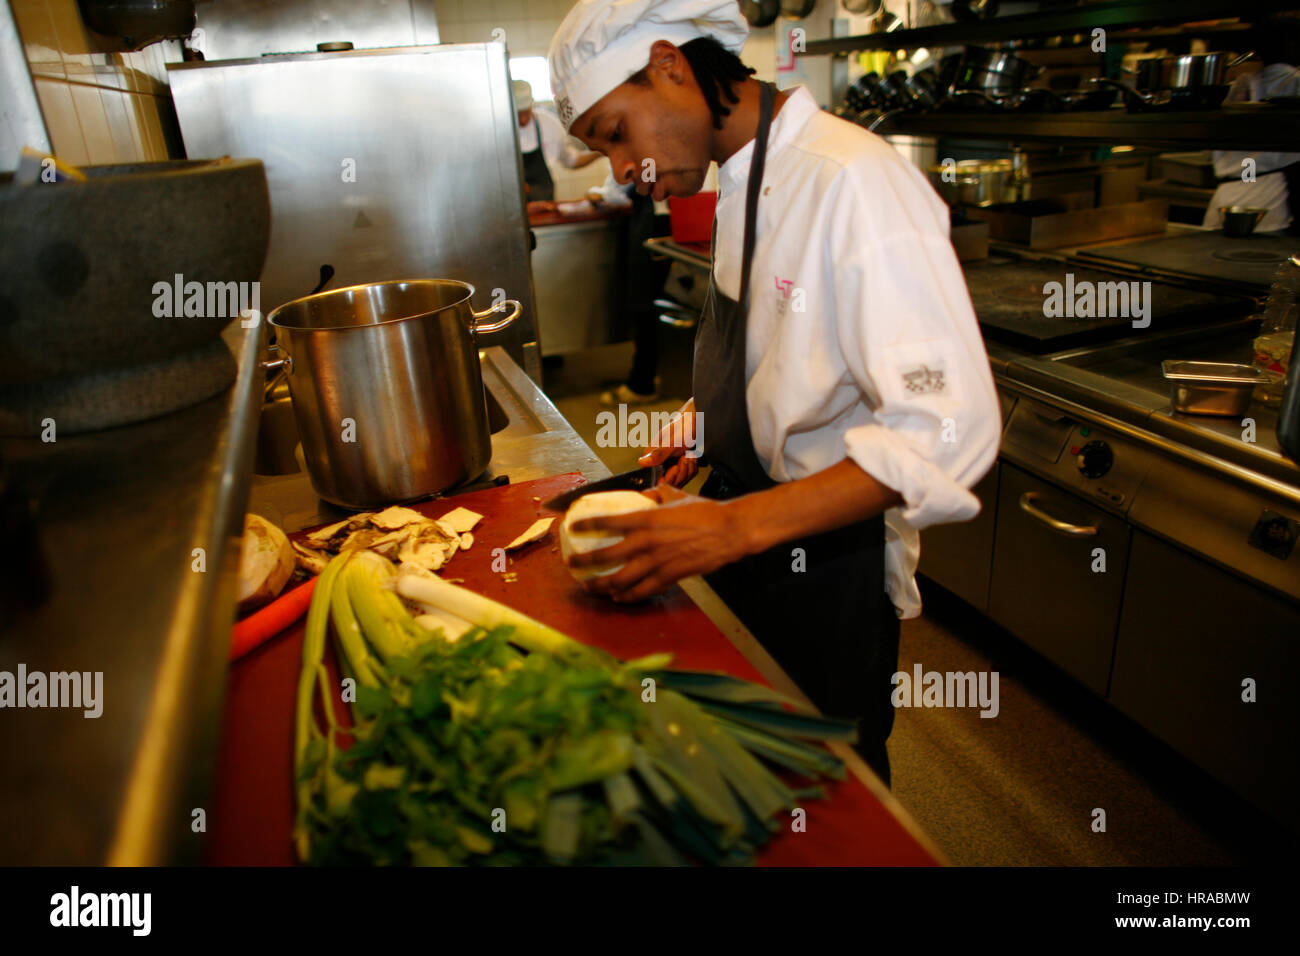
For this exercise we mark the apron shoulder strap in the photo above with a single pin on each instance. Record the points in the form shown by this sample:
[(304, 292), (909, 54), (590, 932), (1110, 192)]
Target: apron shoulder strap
[(767, 97)]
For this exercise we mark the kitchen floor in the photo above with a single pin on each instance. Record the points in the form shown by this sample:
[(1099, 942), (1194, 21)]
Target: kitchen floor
[(1023, 788)]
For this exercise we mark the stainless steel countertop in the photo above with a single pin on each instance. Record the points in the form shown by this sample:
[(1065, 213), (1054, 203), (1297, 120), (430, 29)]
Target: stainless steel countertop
[(121, 513), (1123, 380)]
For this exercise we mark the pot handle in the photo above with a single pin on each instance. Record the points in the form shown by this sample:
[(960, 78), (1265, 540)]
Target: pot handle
[(1131, 96), (481, 326), (282, 367)]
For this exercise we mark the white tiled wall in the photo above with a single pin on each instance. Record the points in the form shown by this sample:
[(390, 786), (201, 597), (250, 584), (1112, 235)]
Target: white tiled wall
[(529, 24), (99, 106)]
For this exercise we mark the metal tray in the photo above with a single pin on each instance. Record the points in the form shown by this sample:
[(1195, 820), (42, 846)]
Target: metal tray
[(1211, 388)]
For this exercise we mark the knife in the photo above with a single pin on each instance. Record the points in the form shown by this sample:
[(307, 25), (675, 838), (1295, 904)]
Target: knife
[(640, 479)]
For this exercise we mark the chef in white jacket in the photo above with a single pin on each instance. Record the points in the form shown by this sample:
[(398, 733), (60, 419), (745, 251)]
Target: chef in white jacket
[(542, 141), (1263, 180), (844, 395)]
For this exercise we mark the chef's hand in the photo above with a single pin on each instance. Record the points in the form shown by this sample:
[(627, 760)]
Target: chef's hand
[(678, 437), (686, 535), (541, 207)]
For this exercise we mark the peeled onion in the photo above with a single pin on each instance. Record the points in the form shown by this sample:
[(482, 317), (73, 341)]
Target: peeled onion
[(597, 505)]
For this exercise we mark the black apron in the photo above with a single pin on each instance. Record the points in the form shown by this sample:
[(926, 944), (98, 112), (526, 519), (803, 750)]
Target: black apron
[(536, 173), (830, 626)]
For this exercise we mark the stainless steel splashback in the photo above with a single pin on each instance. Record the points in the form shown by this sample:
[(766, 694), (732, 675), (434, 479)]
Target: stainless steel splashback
[(385, 164), (234, 29)]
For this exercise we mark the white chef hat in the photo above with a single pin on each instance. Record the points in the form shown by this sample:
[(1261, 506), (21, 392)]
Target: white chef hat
[(603, 42), (523, 91)]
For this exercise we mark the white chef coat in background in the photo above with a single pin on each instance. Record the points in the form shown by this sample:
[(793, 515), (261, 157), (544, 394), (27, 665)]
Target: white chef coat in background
[(1268, 191), (557, 145), (885, 360)]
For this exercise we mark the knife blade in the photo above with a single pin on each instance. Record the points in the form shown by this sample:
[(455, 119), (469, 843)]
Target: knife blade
[(639, 479)]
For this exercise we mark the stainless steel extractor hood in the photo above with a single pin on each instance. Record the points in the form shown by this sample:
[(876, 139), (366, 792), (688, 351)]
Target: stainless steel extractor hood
[(384, 164)]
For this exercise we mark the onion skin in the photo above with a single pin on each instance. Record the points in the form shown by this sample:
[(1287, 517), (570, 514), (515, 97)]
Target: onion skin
[(597, 505), (266, 562)]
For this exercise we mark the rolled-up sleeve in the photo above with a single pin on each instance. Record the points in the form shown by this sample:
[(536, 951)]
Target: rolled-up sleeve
[(557, 145), (911, 342)]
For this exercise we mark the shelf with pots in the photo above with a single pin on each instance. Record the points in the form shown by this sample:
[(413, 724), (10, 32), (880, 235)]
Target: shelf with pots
[(1082, 19), (1245, 126)]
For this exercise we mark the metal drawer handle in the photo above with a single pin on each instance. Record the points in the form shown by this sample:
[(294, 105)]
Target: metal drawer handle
[(1060, 527)]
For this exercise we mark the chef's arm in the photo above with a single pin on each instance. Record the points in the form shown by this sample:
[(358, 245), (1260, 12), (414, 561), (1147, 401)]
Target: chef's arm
[(915, 351), (559, 146), (841, 494), (576, 159)]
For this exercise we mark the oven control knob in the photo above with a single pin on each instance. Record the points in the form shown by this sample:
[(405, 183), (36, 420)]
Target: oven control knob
[(1095, 459)]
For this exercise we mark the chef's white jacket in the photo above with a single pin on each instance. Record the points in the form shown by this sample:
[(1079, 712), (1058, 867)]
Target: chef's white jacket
[(1268, 190), (556, 145), (862, 341)]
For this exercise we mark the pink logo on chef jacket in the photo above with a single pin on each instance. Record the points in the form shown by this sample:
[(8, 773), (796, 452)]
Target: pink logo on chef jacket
[(788, 296)]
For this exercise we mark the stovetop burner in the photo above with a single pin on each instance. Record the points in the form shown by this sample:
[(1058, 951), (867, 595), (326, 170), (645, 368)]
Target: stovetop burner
[(1249, 255), (1247, 264)]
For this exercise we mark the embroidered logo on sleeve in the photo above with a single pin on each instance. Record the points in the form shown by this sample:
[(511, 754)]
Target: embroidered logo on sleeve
[(923, 380)]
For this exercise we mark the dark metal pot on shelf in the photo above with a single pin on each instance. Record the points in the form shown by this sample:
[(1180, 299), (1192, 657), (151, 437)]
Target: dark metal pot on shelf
[(1187, 71), (1182, 98), (979, 182), (996, 72)]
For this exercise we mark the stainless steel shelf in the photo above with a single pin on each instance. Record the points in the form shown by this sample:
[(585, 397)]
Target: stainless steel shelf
[(1057, 22), (1261, 127), (121, 514)]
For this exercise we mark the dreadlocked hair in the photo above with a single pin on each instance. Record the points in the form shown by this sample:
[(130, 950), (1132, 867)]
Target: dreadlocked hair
[(716, 69)]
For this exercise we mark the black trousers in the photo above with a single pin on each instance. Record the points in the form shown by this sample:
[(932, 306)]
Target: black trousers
[(643, 282), (831, 627)]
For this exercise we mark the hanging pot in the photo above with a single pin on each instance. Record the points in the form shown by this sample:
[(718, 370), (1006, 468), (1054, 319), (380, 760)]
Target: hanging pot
[(761, 13), (797, 9), (970, 10), (139, 22)]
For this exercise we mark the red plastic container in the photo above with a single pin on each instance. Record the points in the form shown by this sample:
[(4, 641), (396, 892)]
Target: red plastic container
[(691, 217)]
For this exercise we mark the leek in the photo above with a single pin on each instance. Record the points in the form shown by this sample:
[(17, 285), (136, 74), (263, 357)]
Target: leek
[(454, 727)]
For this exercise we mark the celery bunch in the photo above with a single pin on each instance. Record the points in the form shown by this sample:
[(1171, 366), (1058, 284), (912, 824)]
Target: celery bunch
[(515, 744)]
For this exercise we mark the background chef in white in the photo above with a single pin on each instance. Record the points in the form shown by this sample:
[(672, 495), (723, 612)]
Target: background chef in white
[(542, 141), (1276, 176), (865, 382)]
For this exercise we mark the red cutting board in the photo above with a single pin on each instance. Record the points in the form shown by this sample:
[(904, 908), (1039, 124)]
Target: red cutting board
[(251, 815)]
